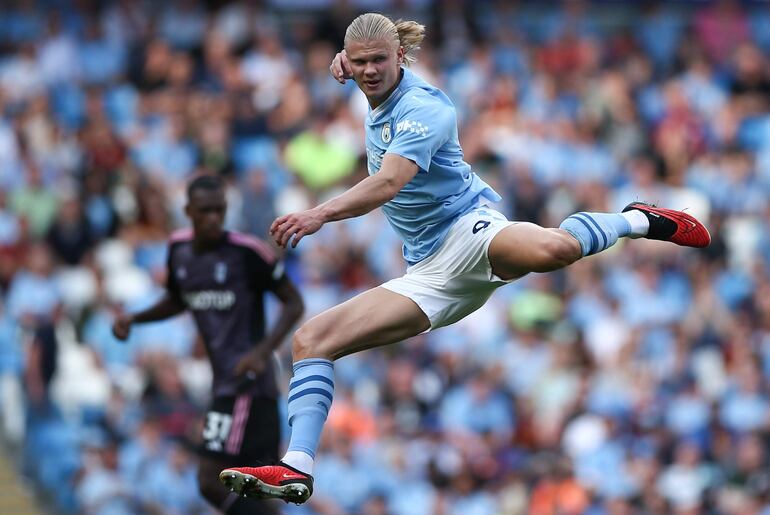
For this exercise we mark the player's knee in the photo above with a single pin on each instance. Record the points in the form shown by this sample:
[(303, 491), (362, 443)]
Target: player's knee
[(308, 342), (559, 251)]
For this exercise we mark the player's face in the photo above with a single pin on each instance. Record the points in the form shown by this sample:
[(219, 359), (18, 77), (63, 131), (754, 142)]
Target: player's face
[(206, 211), (376, 67)]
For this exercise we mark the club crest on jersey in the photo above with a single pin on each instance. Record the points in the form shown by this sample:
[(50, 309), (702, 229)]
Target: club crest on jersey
[(220, 272), (386, 132)]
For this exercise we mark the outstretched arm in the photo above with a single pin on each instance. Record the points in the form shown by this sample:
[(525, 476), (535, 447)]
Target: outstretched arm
[(165, 308), (369, 194)]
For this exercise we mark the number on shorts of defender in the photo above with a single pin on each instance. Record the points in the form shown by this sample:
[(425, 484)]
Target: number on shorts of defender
[(216, 430)]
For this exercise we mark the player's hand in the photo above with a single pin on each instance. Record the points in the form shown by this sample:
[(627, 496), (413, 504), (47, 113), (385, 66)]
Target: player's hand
[(340, 67), (297, 225), (253, 362), (121, 328)]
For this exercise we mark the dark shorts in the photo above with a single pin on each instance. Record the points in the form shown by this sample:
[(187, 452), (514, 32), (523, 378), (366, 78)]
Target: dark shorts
[(244, 429)]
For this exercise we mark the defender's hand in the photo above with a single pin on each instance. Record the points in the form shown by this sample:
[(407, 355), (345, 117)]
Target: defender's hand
[(340, 68), (121, 328), (253, 362), (297, 225)]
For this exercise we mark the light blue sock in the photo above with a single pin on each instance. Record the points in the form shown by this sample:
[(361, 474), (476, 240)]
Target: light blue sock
[(311, 391), (596, 231)]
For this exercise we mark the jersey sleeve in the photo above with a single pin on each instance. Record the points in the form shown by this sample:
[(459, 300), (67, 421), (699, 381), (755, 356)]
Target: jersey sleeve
[(421, 128)]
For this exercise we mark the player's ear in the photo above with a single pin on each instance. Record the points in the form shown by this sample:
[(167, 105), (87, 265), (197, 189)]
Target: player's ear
[(401, 54)]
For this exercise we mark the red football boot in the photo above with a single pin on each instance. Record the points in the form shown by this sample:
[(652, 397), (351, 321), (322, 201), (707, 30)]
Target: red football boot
[(271, 482), (671, 225)]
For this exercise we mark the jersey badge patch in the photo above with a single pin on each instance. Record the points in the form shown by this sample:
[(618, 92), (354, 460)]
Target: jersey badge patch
[(386, 132), (220, 272)]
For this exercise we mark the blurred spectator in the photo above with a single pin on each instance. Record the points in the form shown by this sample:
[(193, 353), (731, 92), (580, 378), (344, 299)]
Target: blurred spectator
[(101, 489), (721, 27), (10, 226), (319, 160), (35, 202), (33, 294), (684, 482), (70, 236), (166, 485), (750, 84), (42, 357), (558, 492), (166, 399)]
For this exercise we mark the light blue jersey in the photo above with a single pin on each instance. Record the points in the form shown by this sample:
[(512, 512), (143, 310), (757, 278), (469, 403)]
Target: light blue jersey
[(418, 122)]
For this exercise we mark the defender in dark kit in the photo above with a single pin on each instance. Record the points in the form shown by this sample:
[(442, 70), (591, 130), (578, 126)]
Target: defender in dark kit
[(220, 277)]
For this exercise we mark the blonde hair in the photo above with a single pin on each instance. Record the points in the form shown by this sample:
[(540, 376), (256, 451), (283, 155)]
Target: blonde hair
[(375, 26)]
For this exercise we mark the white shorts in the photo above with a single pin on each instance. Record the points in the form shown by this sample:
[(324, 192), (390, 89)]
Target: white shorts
[(457, 279)]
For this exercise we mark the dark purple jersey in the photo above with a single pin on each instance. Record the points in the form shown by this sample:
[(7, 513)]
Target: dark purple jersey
[(223, 288)]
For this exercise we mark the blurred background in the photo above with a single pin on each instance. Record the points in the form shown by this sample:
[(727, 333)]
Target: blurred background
[(635, 381)]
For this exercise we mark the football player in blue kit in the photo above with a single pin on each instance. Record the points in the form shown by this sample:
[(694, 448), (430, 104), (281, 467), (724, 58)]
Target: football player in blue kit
[(457, 248)]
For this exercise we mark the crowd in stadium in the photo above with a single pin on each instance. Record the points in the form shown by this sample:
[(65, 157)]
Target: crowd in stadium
[(634, 381)]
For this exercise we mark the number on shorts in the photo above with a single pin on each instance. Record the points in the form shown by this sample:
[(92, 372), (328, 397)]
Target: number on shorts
[(216, 430), (481, 224)]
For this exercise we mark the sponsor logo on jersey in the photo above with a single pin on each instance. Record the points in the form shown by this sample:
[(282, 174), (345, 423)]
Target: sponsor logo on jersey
[(210, 299), (408, 125)]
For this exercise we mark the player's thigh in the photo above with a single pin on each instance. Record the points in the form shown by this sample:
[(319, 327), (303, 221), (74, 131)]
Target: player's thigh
[(374, 318), (526, 247)]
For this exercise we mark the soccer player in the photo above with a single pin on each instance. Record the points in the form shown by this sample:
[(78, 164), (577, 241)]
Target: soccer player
[(458, 249), (221, 277)]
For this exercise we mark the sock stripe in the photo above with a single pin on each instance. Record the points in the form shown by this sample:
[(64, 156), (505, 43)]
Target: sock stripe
[(307, 391), (311, 393), (293, 384), (596, 224), (594, 238), (311, 361)]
